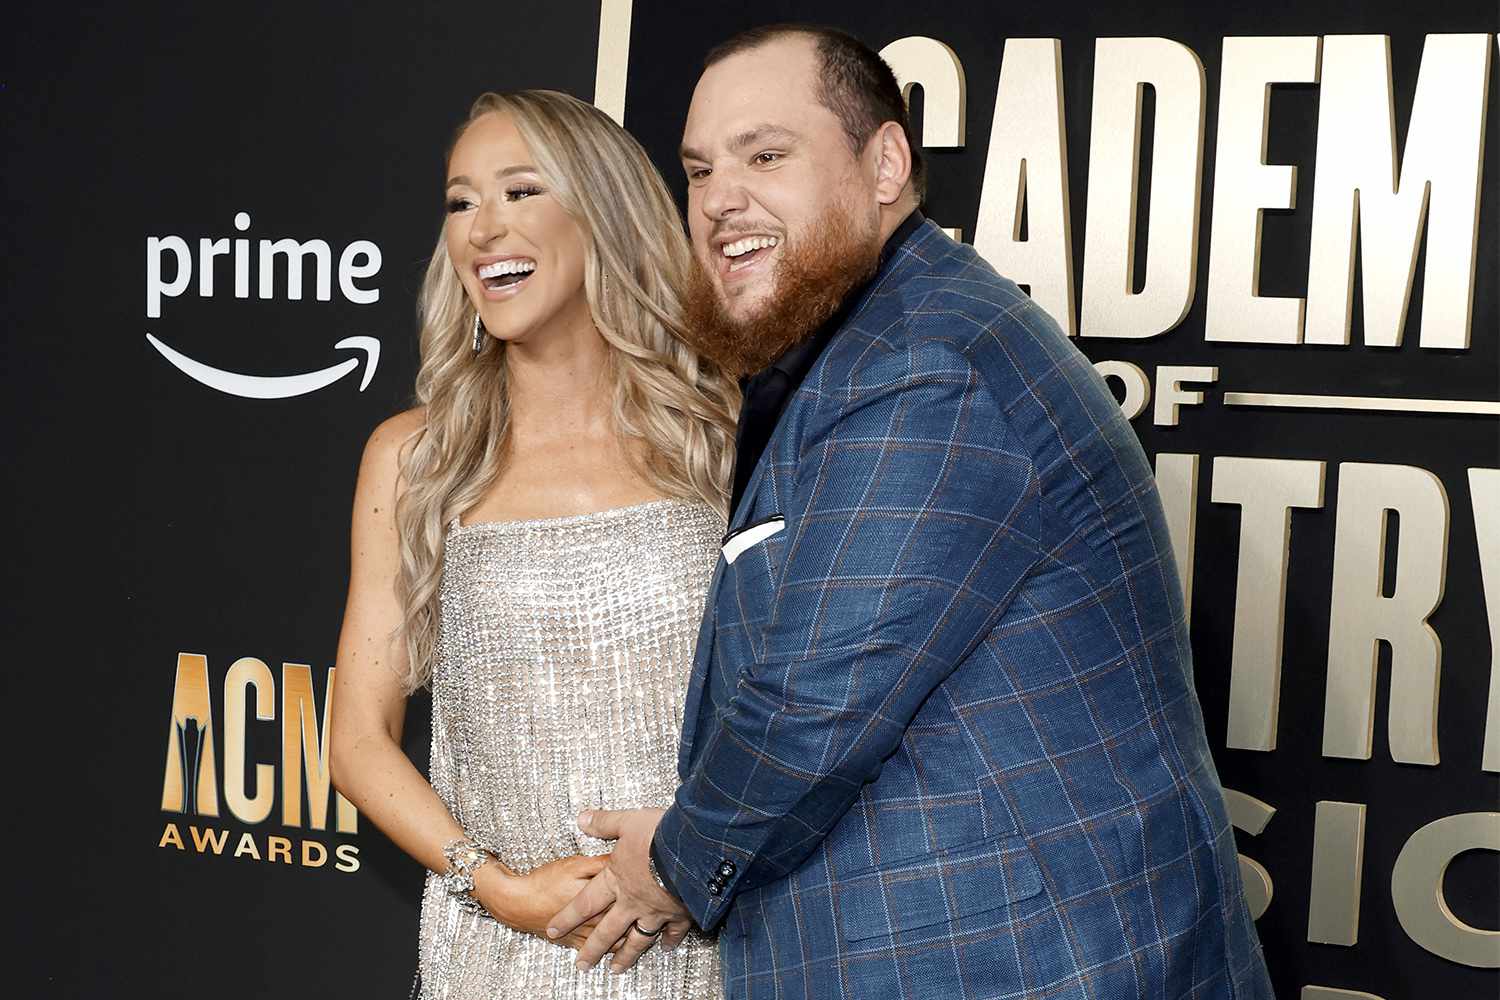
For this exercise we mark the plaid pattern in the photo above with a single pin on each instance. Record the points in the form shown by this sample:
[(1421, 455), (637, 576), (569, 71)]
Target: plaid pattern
[(940, 739)]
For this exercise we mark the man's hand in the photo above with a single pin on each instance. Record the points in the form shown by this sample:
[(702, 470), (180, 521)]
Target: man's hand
[(624, 893)]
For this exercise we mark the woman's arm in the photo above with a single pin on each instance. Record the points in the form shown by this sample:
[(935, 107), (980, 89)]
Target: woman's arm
[(366, 760)]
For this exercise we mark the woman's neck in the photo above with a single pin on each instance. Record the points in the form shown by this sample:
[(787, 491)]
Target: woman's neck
[(557, 384)]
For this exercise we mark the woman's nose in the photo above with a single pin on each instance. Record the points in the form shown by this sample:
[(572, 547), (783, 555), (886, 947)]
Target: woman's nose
[(489, 225)]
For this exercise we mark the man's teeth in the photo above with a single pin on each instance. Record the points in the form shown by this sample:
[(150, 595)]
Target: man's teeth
[(741, 247), (515, 265)]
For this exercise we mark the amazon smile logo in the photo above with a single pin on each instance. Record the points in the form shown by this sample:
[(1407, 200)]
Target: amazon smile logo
[(358, 262)]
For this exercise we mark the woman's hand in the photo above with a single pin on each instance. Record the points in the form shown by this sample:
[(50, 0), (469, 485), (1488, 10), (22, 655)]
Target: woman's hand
[(527, 902)]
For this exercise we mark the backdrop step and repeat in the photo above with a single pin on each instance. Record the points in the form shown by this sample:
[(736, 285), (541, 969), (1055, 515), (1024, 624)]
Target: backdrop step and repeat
[(1273, 227)]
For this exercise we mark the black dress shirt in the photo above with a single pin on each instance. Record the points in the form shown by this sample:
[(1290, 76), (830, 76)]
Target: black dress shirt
[(767, 392)]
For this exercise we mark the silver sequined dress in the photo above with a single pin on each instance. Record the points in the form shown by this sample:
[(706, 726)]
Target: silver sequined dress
[(564, 646)]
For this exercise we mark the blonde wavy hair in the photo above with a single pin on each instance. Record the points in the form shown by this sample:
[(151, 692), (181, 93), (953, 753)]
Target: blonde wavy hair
[(678, 404)]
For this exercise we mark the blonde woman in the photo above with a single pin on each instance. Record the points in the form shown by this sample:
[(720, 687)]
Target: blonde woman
[(533, 541)]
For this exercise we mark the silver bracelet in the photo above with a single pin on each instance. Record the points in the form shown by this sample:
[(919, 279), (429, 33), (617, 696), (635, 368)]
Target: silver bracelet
[(465, 856)]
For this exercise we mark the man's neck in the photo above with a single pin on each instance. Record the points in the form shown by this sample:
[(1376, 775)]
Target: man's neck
[(891, 216)]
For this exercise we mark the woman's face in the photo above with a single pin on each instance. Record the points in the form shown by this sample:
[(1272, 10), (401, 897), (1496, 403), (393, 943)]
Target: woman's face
[(519, 255)]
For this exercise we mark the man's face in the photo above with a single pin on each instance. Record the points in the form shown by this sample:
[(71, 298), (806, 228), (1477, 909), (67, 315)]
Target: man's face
[(766, 164)]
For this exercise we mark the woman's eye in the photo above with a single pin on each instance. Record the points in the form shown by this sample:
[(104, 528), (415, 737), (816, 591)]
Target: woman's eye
[(457, 205), (525, 191)]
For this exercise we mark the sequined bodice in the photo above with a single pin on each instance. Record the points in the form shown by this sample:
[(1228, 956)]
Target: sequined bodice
[(564, 647)]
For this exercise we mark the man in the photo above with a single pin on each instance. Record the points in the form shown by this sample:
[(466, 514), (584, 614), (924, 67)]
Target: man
[(940, 739)]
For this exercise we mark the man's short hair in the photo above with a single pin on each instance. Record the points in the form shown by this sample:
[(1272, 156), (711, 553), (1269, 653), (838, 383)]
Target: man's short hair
[(854, 83)]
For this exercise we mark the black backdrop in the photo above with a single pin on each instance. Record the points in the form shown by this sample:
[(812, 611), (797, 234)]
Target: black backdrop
[(153, 516)]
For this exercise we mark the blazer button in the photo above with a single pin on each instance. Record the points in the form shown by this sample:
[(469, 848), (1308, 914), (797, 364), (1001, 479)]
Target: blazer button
[(726, 869), (715, 887)]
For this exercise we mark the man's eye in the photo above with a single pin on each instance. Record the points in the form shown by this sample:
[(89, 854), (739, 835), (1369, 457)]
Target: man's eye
[(766, 158), (698, 173), (524, 191)]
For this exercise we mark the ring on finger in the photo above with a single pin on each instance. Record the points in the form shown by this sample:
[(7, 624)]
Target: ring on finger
[(635, 925)]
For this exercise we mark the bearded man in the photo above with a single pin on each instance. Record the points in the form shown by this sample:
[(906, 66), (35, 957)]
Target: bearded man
[(940, 739)]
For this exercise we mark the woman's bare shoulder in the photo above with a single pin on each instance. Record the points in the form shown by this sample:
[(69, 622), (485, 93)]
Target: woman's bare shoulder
[(380, 467), (392, 432)]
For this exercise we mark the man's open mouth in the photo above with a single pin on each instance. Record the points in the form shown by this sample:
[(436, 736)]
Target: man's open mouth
[(746, 251), (506, 273)]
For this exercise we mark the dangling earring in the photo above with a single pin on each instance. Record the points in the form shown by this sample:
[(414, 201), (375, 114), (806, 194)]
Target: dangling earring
[(605, 293), (478, 333)]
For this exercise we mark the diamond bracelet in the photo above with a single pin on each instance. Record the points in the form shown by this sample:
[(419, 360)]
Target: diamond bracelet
[(465, 856)]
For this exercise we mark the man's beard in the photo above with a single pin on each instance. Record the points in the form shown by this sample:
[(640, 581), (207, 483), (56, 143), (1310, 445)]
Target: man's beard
[(811, 279)]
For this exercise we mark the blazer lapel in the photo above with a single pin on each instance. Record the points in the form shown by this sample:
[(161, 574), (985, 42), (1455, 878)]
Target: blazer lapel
[(906, 258), (704, 652), (698, 679)]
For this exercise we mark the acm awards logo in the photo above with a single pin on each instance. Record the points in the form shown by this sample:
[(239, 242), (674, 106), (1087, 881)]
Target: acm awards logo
[(359, 261), (194, 785)]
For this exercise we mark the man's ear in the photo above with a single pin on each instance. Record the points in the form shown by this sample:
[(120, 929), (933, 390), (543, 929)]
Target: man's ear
[(893, 164)]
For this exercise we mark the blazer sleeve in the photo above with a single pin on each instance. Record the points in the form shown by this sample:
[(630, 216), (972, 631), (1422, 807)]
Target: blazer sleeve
[(913, 522)]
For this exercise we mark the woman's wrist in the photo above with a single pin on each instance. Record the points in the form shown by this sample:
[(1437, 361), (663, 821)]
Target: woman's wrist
[(495, 886)]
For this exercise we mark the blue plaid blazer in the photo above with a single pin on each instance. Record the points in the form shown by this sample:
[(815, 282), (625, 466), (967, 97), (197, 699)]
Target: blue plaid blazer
[(940, 739)]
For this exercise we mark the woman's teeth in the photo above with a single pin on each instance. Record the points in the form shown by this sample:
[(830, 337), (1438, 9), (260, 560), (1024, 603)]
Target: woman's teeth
[(506, 272)]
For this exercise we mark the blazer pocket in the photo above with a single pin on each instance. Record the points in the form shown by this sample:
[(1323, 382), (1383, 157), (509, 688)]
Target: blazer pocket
[(937, 888), (748, 592), (736, 542)]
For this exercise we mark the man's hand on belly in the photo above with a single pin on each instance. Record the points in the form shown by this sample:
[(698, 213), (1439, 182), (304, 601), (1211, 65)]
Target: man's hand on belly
[(623, 897)]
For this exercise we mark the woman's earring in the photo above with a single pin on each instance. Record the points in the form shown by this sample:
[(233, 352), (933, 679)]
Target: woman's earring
[(478, 333)]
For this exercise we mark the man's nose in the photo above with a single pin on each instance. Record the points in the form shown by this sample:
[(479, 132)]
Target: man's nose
[(723, 196)]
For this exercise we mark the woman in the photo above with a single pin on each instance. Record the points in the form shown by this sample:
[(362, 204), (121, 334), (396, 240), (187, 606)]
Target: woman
[(533, 541)]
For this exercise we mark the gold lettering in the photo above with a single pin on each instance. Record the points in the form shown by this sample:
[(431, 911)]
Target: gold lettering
[(1170, 395), (613, 61), (1251, 815), (348, 858), (1123, 68), (1357, 189), (1360, 616), (247, 847), (190, 742), (1337, 873), (1177, 481), (1137, 385), (279, 848), (1484, 497), (1266, 489), (919, 61), (247, 672), (209, 838), (1027, 166), (304, 751), (172, 836), (314, 854), (1330, 993), (1245, 185), (1417, 888)]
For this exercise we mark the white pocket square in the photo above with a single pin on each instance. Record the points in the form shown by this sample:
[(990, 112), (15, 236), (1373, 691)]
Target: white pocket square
[(741, 540)]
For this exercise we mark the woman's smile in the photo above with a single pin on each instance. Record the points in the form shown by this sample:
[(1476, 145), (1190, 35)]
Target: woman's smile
[(503, 277)]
